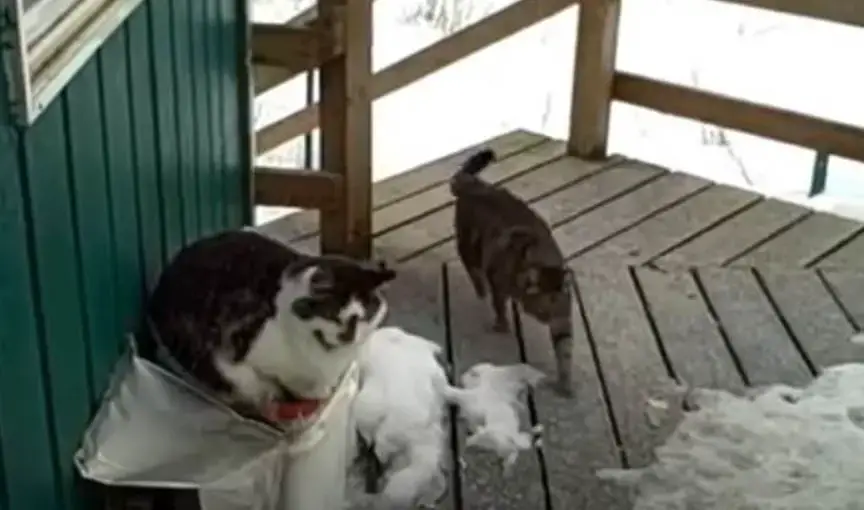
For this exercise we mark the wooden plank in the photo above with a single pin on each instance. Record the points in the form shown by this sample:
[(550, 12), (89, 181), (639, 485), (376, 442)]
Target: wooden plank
[(849, 255), (632, 366), (757, 336), (688, 333), (346, 129), (484, 486), (594, 72), (626, 212), (720, 110), (573, 202), (847, 288), (217, 134), (310, 189), (437, 228), (267, 77), (578, 437), (183, 81), (803, 243), (736, 235), (838, 11), (673, 227), (304, 225), (434, 57), (295, 49), (28, 478), (149, 191), (167, 140), (819, 326)]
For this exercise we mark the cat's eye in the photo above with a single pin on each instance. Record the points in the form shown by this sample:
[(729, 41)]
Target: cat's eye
[(304, 308)]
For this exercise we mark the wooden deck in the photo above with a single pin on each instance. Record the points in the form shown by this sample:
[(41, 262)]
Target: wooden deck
[(678, 279)]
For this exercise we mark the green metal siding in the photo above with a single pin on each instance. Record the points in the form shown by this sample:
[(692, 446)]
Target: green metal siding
[(146, 150)]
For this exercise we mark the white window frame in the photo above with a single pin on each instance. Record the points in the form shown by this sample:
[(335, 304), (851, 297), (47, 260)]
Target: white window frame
[(46, 45)]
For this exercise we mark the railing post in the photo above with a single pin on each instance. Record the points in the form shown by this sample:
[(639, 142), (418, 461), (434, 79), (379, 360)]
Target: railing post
[(594, 74), (346, 128)]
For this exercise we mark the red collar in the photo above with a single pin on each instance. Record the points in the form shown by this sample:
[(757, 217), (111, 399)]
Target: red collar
[(293, 410)]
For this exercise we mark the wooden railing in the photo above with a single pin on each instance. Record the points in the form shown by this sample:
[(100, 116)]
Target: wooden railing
[(324, 38)]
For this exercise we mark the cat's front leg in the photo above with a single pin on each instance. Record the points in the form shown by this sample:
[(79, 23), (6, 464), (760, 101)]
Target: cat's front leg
[(499, 310), (478, 281)]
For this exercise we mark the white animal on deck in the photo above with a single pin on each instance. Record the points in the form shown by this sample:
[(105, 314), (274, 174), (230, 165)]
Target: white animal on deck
[(489, 401), (399, 413)]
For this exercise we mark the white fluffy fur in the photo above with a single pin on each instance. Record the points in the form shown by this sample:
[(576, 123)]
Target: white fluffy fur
[(400, 410), (286, 351), (489, 401)]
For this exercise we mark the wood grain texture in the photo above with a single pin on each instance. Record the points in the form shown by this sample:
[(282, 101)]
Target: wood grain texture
[(847, 289), (757, 335), (626, 211), (594, 73), (814, 318), (802, 244), (628, 356), (673, 227), (737, 235), (720, 110), (688, 332), (849, 254)]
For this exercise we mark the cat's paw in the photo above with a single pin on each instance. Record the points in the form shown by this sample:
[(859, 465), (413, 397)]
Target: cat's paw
[(564, 388)]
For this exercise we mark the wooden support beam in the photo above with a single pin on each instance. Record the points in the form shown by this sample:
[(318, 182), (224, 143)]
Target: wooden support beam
[(594, 70), (346, 128), (293, 50), (782, 125), (309, 189)]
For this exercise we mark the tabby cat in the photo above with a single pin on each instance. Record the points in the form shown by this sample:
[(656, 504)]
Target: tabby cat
[(506, 246), (257, 322)]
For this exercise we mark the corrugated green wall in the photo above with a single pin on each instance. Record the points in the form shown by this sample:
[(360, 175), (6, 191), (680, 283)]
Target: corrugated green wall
[(146, 149)]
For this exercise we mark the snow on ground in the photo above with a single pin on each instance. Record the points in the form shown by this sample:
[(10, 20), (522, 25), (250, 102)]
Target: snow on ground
[(786, 448), (524, 82)]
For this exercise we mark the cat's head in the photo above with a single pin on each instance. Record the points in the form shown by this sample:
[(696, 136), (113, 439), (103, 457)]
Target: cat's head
[(339, 298), (539, 276)]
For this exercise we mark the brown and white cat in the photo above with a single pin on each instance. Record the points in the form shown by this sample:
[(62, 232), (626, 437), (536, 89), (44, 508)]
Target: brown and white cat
[(257, 322), (504, 244)]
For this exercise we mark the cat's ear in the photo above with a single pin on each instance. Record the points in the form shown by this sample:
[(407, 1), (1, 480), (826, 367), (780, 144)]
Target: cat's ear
[(377, 273)]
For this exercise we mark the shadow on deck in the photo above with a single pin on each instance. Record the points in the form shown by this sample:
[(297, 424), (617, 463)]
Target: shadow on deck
[(678, 279)]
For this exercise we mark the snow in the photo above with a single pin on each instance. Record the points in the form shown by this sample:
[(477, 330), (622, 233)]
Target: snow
[(784, 448), (524, 82)]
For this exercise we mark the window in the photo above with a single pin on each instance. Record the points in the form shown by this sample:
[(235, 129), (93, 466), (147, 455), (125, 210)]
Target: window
[(45, 42)]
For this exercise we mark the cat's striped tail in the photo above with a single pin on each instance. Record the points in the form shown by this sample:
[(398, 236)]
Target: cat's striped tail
[(470, 168)]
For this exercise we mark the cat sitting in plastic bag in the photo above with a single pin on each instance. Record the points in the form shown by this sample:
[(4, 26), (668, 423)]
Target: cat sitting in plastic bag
[(489, 401)]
